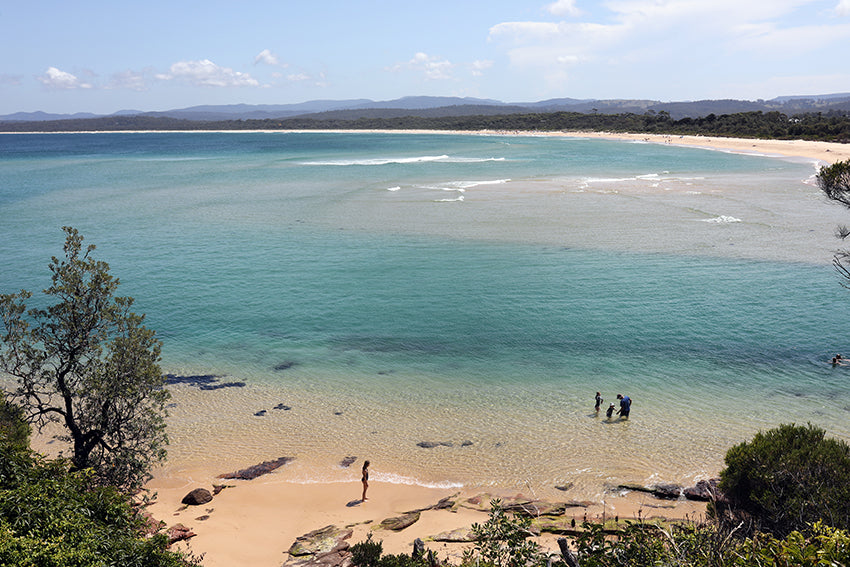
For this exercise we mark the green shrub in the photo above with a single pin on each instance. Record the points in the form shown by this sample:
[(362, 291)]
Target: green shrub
[(502, 541), (13, 428), (51, 517), (369, 554), (787, 479)]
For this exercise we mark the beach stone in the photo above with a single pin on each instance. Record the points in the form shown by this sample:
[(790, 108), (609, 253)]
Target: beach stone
[(257, 470), (667, 491), (260, 413), (564, 487), (458, 535), (398, 523), (704, 491), (285, 365), (432, 444), (328, 539), (179, 532), (283, 407), (197, 497)]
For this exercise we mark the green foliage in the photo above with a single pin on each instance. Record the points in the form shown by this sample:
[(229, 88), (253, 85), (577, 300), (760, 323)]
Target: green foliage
[(834, 181), (788, 478), (52, 517), (88, 362), (13, 429), (369, 554), (687, 545), (502, 541)]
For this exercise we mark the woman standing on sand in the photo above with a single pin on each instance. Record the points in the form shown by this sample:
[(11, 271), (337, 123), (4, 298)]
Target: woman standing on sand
[(365, 479)]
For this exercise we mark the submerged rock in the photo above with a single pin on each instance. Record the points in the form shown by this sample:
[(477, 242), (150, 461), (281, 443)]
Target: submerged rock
[(432, 444)]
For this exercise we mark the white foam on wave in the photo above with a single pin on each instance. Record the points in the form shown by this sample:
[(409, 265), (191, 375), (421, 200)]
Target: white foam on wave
[(378, 161), (393, 188), (464, 185), (458, 198), (399, 479), (722, 219)]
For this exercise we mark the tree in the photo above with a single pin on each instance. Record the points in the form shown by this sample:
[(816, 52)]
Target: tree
[(834, 181), (787, 479), (88, 362)]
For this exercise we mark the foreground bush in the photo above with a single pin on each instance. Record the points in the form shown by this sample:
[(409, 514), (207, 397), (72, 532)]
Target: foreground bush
[(50, 517), (787, 479)]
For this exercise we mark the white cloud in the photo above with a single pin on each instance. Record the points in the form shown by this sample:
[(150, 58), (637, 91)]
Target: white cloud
[(843, 8), (130, 80), (269, 58), (433, 67), (53, 78), (205, 73), (563, 8), (478, 67)]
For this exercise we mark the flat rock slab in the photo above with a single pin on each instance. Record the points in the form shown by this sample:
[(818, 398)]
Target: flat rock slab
[(459, 535), (329, 539), (398, 523), (257, 470)]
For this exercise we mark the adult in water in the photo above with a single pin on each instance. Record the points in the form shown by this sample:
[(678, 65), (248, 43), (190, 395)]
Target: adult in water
[(365, 479), (625, 405), (598, 401)]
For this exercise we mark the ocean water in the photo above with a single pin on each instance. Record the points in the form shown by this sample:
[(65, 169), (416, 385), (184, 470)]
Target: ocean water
[(471, 290)]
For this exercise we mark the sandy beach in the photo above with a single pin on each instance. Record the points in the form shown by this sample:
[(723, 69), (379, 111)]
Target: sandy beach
[(254, 522)]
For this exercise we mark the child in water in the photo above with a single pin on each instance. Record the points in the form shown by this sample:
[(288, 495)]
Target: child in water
[(610, 411)]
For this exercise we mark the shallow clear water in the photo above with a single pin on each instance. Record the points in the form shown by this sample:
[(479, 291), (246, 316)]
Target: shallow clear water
[(398, 288)]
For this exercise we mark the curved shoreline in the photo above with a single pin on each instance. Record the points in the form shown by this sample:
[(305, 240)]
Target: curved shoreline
[(825, 152)]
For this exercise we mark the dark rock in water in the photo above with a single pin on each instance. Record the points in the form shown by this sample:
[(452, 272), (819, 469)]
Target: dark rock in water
[(564, 487), (398, 523), (283, 407), (666, 490), (337, 412), (634, 486), (347, 462), (285, 365), (704, 491), (466, 443), (202, 381), (222, 385), (257, 470), (260, 413), (197, 497), (432, 444)]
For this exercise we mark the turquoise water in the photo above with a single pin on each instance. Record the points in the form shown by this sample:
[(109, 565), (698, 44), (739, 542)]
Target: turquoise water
[(398, 288)]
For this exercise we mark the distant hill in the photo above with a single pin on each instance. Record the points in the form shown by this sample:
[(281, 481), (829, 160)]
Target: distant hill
[(430, 107)]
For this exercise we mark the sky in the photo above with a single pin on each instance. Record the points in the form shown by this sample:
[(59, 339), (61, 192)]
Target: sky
[(101, 57)]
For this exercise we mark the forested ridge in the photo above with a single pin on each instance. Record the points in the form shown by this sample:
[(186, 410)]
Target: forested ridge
[(833, 126)]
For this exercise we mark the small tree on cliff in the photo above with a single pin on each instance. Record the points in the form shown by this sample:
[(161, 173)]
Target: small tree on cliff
[(834, 181), (88, 362)]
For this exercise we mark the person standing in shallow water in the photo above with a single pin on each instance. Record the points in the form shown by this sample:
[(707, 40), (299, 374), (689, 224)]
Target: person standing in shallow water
[(625, 405), (599, 401), (365, 479)]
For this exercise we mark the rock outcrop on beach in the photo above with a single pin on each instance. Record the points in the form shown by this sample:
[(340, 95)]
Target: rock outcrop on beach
[(398, 523), (257, 470), (325, 547), (197, 497)]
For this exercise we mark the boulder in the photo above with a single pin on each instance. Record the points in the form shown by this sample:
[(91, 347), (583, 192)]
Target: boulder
[(459, 535), (329, 539), (667, 491), (704, 491), (179, 532), (398, 523), (257, 470), (197, 497)]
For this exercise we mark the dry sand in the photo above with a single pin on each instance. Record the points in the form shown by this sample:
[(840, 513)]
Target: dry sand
[(254, 522)]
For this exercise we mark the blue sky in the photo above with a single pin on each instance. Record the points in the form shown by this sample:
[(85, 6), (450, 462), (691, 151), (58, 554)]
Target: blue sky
[(104, 56)]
